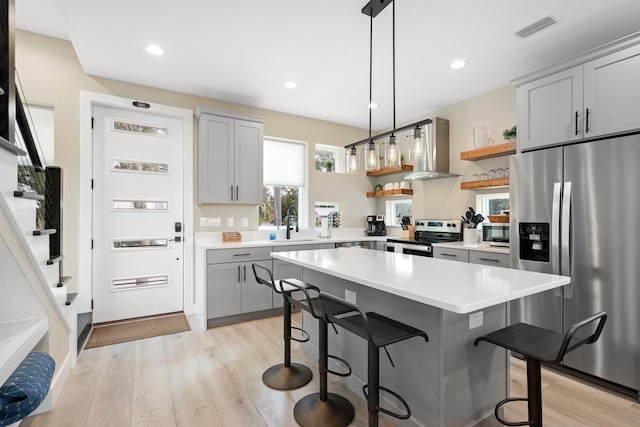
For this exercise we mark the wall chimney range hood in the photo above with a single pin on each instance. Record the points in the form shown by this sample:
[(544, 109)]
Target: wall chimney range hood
[(435, 164)]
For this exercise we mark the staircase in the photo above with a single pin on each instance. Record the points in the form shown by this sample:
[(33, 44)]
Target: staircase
[(37, 311)]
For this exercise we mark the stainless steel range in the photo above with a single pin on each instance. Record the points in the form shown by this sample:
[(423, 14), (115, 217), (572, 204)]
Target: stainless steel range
[(427, 231)]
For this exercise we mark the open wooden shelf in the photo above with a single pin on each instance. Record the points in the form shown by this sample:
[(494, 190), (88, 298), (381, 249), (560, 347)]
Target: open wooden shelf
[(388, 193), (489, 152), (485, 183), (391, 170)]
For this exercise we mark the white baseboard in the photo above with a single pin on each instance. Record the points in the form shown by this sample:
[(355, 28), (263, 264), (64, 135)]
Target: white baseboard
[(57, 384)]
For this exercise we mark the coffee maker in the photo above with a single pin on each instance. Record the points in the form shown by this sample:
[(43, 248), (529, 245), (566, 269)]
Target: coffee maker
[(375, 225)]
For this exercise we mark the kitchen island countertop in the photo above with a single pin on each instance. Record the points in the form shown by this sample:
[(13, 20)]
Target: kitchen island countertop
[(449, 285)]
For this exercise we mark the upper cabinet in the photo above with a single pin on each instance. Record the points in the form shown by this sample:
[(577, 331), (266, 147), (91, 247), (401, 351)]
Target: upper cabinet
[(596, 97), (229, 157)]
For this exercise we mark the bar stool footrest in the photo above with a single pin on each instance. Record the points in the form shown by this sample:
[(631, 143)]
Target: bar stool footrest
[(344, 362), (386, 411), (509, 423), (305, 335)]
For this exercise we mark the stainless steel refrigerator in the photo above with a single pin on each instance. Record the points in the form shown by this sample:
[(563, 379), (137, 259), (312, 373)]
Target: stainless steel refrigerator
[(575, 210)]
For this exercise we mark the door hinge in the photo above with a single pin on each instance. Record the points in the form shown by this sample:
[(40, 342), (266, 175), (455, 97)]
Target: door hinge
[(91, 243), (92, 184), (91, 122), (92, 304)]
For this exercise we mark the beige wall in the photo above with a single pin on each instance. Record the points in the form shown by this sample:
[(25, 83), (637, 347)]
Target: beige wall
[(51, 74)]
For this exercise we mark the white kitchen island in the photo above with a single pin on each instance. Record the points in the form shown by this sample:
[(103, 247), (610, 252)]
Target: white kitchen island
[(447, 381)]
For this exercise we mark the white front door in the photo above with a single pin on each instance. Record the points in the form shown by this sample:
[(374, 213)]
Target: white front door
[(137, 214)]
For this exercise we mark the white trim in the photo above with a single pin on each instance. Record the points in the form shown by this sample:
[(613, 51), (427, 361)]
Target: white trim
[(85, 174), (55, 389)]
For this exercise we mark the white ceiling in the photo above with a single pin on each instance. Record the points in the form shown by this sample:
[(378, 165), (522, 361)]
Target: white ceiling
[(243, 51)]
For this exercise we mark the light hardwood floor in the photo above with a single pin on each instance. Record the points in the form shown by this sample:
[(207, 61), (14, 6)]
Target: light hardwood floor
[(214, 378)]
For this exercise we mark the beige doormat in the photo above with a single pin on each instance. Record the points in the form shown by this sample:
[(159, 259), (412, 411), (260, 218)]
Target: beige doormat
[(136, 329)]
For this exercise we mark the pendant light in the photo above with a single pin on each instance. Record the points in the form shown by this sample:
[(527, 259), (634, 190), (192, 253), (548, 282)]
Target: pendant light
[(392, 157), (418, 148), (353, 161), (373, 157)]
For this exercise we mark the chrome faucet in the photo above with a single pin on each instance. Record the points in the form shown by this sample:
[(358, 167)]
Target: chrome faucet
[(289, 221)]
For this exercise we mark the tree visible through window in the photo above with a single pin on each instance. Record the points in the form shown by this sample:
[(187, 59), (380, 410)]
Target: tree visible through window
[(327, 158), (275, 204)]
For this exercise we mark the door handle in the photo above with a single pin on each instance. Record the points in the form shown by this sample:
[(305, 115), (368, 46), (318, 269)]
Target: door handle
[(237, 192), (177, 239), (576, 122), (232, 193), (238, 274), (177, 227), (586, 130), (555, 228), (566, 232), (245, 273)]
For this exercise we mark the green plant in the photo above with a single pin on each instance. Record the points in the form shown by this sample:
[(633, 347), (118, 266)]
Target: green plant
[(329, 165), (509, 134)]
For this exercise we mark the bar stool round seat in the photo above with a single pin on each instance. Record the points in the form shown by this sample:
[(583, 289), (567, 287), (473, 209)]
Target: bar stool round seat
[(540, 345), (379, 331), (321, 409), (286, 375)]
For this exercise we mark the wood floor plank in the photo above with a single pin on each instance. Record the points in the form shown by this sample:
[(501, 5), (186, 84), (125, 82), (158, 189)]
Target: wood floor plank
[(214, 378)]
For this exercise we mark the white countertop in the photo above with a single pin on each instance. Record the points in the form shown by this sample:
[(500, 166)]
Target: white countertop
[(217, 244), (482, 247), (449, 285)]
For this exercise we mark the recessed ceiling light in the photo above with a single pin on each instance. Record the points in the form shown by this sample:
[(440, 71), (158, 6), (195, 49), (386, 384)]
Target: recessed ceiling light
[(373, 105), (457, 64), (291, 84), (155, 50)]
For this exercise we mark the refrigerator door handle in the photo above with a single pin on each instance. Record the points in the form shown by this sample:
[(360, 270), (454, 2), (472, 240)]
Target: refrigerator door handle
[(555, 228), (565, 255)]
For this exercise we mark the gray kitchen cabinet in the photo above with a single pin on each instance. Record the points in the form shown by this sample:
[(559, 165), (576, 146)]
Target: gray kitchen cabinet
[(452, 254), (596, 97), (231, 285), (489, 258), (229, 157)]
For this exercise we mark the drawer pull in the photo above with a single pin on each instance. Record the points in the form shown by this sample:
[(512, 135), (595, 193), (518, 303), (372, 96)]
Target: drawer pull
[(241, 254), (489, 259), (451, 255)]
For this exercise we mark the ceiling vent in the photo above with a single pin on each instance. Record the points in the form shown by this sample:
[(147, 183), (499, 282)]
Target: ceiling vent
[(536, 27)]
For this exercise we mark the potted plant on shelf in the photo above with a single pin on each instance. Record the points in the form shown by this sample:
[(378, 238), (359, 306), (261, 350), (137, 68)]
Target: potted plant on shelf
[(329, 166), (509, 134)]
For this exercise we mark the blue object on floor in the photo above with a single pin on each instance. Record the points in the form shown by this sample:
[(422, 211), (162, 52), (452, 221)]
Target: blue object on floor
[(26, 388)]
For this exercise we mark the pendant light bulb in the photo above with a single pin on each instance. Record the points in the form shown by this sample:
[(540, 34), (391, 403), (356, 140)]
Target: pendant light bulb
[(352, 161), (418, 146), (392, 154), (373, 159)]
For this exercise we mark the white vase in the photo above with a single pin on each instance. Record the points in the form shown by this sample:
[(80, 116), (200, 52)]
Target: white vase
[(470, 236)]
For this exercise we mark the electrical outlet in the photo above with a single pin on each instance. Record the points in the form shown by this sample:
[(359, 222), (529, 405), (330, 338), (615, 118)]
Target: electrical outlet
[(476, 320), (230, 221), (204, 222), (216, 222), (350, 296)]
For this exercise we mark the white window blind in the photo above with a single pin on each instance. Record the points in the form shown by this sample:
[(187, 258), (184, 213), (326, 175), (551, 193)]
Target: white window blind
[(283, 163)]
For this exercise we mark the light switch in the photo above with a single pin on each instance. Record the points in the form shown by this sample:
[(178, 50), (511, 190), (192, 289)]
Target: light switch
[(230, 221), (216, 222), (245, 221), (476, 320), (204, 222)]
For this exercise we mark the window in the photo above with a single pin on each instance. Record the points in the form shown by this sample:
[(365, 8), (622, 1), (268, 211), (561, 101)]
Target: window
[(328, 158), (323, 209), (284, 182), (492, 204), (396, 209)]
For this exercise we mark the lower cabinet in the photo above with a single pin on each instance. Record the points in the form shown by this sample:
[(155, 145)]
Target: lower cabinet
[(472, 256)]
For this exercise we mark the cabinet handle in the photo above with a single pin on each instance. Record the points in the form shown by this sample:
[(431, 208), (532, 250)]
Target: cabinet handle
[(245, 273), (232, 193), (576, 122), (489, 259), (238, 274), (587, 124), (241, 254), (452, 255), (237, 193)]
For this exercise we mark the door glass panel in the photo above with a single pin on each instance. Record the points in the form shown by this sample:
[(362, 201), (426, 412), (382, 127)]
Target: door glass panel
[(133, 166), (137, 128), (140, 243), (139, 282), (139, 205)]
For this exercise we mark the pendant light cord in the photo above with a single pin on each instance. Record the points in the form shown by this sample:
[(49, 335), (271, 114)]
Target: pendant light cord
[(370, 71), (393, 41)]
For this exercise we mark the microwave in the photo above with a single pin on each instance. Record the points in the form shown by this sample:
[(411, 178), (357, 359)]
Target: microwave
[(496, 233)]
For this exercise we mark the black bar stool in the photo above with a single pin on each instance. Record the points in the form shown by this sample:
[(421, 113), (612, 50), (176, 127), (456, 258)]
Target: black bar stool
[(379, 331), (321, 409), (287, 375), (539, 345)]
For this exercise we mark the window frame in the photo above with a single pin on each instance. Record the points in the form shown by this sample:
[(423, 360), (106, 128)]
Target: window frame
[(338, 157)]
